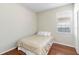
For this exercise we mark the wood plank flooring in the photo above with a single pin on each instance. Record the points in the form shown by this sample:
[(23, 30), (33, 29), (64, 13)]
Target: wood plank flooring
[(56, 49)]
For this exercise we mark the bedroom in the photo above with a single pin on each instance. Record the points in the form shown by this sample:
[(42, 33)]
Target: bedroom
[(24, 20)]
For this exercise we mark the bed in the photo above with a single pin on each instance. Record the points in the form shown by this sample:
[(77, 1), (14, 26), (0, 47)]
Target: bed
[(35, 45)]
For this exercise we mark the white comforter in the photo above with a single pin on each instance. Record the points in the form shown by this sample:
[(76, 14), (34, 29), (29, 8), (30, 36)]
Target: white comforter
[(36, 44)]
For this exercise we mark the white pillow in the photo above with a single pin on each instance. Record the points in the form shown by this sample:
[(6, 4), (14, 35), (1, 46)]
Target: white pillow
[(40, 33), (44, 33)]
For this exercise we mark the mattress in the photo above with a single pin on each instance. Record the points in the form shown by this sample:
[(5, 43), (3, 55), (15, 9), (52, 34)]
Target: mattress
[(37, 44)]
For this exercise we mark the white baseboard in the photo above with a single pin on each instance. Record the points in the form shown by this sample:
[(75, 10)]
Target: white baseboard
[(77, 50), (64, 44), (69, 46), (54, 42), (7, 50)]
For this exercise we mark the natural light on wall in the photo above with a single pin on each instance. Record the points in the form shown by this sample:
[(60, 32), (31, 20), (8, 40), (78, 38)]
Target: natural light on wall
[(76, 8)]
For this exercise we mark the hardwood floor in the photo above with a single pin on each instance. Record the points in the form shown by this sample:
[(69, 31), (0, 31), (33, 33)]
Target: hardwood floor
[(56, 49), (14, 52)]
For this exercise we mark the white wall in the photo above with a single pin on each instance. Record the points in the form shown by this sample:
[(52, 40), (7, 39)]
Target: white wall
[(15, 22), (78, 35), (47, 22), (76, 21)]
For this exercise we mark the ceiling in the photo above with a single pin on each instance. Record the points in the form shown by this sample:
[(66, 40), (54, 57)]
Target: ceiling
[(38, 7)]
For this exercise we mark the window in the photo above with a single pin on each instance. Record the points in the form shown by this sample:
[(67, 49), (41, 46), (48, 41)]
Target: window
[(63, 27), (64, 19)]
